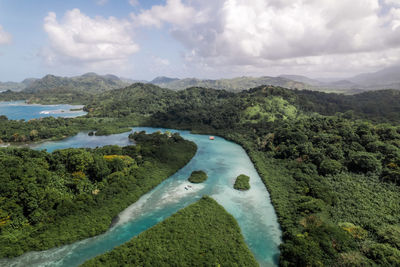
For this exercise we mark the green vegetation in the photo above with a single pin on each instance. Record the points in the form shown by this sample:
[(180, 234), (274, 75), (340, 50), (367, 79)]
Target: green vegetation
[(198, 177), (185, 239), (57, 128), (234, 85), (43, 195), (303, 157), (242, 182), (330, 162), (58, 90), (225, 110)]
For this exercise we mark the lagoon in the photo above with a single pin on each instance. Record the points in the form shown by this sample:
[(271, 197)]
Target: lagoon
[(17, 110)]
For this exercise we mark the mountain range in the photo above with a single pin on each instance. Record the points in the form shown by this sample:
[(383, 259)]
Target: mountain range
[(388, 78), (235, 84), (91, 83)]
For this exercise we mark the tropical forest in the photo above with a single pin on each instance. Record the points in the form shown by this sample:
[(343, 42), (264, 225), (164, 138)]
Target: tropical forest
[(270, 135)]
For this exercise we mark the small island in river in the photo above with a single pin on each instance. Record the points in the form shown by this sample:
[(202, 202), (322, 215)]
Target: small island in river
[(198, 177), (242, 183)]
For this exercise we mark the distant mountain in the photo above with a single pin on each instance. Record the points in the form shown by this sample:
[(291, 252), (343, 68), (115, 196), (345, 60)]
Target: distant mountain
[(131, 81), (302, 79), (163, 79), (56, 90), (92, 83), (87, 83), (340, 86), (28, 81), (388, 78), (234, 85), (15, 86)]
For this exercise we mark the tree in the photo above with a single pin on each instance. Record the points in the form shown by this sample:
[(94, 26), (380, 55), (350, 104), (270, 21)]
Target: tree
[(364, 162), (330, 166)]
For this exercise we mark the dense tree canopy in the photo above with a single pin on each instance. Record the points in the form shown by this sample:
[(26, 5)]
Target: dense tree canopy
[(202, 234), (48, 199), (330, 162)]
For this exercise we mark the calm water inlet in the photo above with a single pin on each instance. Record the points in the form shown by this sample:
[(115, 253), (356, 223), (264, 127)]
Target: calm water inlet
[(18, 110)]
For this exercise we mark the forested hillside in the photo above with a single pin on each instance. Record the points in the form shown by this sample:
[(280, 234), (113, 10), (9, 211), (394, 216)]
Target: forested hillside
[(147, 99), (54, 90), (44, 195), (330, 162), (331, 166), (233, 85)]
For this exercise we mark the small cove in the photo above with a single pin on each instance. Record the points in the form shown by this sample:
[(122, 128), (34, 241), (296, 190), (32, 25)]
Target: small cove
[(17, 110)]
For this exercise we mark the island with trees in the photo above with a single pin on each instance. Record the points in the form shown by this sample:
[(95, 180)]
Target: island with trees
[(242, 183), (197, 177)]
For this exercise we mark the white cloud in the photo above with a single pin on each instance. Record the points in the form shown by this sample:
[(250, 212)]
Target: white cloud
[(267, 34), (393, 2), (5, 37), (98, 42), (174, 12), (133, 2)]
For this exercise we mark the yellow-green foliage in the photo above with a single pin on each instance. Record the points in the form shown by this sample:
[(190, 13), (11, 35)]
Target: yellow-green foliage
[(271, 109), (4, 217), (355, 231), (126, 159)]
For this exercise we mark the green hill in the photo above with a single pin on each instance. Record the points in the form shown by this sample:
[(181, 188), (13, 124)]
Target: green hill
[(327, 160), (234, 85), (54, 89), (89, 83)]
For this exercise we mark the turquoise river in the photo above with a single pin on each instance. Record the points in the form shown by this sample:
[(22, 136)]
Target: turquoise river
[(222, 160)]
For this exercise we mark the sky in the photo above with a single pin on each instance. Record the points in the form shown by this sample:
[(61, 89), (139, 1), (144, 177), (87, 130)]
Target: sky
[(142, 39)]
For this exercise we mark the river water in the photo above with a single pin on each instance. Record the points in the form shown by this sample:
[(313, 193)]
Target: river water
[(222, 160)]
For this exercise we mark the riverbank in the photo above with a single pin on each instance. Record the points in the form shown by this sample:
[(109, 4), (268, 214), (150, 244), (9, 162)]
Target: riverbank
[(252, 209), (186, 239), (87, 199)]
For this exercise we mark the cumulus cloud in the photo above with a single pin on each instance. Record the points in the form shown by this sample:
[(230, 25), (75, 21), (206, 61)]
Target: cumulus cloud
[(268, 34), (174, 12), (5, 37), (96, 41)]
